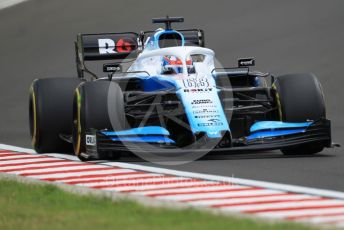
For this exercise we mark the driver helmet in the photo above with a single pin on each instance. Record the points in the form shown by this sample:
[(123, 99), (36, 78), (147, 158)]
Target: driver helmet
[(173, 65)]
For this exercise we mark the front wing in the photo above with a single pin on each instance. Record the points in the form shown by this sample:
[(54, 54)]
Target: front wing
[(276, 138)]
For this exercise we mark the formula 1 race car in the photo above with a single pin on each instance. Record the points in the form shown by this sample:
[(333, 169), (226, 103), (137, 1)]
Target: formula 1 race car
[(163, 92)]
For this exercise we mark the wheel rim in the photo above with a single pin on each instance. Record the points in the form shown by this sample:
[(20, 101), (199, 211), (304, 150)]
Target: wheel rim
[(77, 123), (33, 117)]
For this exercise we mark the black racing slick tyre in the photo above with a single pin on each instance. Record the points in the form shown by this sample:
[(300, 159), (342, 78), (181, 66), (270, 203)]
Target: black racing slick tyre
[(299, 99), (50, 113), (92, 111)]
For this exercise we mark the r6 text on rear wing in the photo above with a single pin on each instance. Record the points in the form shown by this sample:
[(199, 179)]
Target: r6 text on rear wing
[(106, 46)]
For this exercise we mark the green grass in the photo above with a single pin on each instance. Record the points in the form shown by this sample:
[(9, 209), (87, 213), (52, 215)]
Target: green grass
[(32, 206)]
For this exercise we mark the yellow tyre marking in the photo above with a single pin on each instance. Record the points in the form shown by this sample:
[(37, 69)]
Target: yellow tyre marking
[(34, 134), (78, 142), (278, 101)]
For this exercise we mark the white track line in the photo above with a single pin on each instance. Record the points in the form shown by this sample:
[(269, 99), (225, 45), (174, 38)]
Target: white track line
[(8, 3), (15, 148), (64, 156)]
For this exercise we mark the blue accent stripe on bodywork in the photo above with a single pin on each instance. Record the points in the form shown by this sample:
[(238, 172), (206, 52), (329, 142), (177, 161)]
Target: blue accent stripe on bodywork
[(267, 125), (274, 133), (145, 139), (148, 130)]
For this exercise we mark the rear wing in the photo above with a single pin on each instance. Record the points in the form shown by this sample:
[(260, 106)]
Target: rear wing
[(118, 46), (105, 46)]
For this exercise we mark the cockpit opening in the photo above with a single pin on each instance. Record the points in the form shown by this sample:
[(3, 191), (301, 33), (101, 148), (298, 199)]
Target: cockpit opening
[(172, 65)]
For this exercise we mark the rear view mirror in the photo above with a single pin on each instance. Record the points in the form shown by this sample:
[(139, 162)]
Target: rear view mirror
[(244, 62)]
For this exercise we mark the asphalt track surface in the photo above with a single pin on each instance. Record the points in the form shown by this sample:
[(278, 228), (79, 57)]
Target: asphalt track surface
[(36, 40)]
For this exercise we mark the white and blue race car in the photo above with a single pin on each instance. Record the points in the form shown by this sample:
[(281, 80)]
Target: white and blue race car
[(162, 91)]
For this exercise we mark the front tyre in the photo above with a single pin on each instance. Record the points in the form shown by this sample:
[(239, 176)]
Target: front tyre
[(50, 113), (300, 98)]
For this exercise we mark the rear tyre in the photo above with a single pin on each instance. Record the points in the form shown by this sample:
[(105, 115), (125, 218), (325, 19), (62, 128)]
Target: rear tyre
[(299, 99), (50, 113), (91, 111)]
